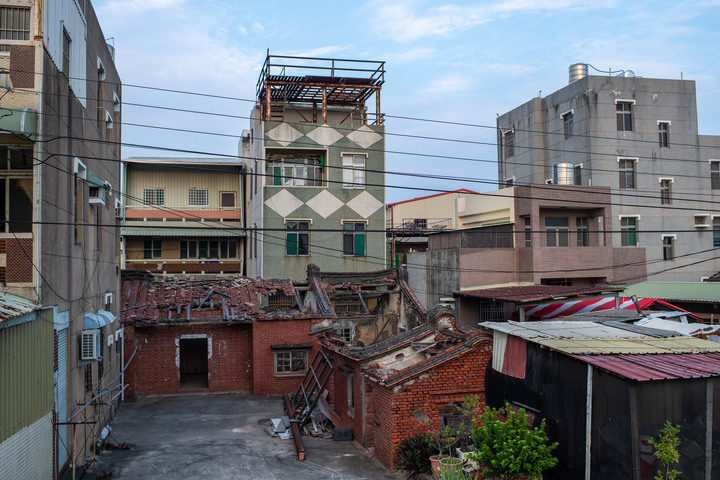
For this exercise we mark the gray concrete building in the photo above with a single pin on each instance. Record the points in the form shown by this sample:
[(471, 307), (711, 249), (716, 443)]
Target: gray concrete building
[(315, 161), (59, 244), (639, 136)]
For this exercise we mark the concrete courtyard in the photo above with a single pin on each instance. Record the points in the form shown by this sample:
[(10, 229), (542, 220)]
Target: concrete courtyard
[(218, 436)]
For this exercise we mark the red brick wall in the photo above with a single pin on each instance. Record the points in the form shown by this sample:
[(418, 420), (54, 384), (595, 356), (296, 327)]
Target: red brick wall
[(353, 417), (397, 413), (19, 267), (153, 370), (278, 332)]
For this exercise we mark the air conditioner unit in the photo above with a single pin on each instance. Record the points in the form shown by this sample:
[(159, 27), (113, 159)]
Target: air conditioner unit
[(90, 346)]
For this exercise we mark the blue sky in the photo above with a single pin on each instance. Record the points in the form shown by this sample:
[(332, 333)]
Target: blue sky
[(457, 61)]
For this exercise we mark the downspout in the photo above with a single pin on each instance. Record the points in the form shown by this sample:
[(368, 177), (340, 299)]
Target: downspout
[(37, 227), (588, 421)]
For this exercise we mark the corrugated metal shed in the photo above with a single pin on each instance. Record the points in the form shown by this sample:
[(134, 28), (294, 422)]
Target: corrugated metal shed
[(12, 306), (658, 367), (181, 232), (688, 291)]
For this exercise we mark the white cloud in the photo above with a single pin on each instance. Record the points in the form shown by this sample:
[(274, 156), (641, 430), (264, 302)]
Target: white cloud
[(408, 21), (128, 6)]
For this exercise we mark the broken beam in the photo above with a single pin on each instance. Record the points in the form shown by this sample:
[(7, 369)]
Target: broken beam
[(299, 447)]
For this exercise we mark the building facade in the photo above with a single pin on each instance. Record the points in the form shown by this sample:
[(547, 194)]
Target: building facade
[(183, 215), (59, 175), (527, 235), (315, 165), (638, 136)]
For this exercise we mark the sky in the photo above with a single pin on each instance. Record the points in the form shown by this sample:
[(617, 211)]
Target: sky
[(463, 62)]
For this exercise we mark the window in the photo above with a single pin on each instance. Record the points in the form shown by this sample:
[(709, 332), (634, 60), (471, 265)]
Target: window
[(557, 231), (345, 333), (296, 169), (668, 242), (581, 223), (528, 231), (198, 197), (353, 170), (716, 231), (80, 175), (16, 158), (624, 116), (420, 224), (628, 231), (100, 90), (665, 191), (227, 199), (280, 301), (663, 133), (16, 204), (67, 41), (715, 174), (297, 238), (567, 125), (14, 25), (492, 311), (577, 174), (153, 196), (509, 143), (152, 248), (626, 167), (354, 238), (291, 361), (208, 248)]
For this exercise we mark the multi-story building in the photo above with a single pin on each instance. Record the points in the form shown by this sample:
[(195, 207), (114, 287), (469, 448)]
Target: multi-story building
[(526, 235), (315, 168), (183, 215), (638, 136), (59, 243), (408, 222)]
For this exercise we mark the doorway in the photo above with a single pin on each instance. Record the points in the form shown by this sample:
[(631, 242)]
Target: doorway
[(193, 363)]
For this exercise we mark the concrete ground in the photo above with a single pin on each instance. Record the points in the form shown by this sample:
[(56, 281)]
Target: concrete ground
[(218, 436)]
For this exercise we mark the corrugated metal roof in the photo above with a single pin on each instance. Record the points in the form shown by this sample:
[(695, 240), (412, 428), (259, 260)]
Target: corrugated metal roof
[(690, 291), (684, 328), (560, 329), (12, 306), (534, 293), (181, 232), (658, 367), (641, 345)]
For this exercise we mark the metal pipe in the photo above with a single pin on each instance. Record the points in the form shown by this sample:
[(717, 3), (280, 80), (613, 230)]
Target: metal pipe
[(299, 447)]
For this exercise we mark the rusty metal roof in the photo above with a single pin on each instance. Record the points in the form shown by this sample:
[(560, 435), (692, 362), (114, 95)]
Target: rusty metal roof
[(12, 306), (534, 293), (658, 367)]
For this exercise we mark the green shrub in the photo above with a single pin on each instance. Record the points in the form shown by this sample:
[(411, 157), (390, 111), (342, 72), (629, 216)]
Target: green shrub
[(415, 453), (666, 451), (509, 448)]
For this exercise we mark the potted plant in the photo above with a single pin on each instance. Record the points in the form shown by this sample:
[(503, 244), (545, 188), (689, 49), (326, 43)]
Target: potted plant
[(508, 448), (415, 453)]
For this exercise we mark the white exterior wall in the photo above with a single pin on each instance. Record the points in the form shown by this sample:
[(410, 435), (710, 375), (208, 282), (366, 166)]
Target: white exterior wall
[(28, 454), (67, 14)]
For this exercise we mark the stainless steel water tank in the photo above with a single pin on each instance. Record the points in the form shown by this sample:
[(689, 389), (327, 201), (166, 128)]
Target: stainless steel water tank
[(562, 173), (578, 71)]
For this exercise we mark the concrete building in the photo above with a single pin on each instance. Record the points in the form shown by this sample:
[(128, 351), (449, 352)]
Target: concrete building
[(59, 168), (638, 136), (183, 215), (526, 235), (408, 222), (315, 168)]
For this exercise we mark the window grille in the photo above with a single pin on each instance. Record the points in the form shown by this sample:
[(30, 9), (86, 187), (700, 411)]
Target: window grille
[(198, 197), (153, 196)]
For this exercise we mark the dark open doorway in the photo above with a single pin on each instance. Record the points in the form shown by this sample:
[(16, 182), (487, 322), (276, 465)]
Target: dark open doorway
[(193, 363)]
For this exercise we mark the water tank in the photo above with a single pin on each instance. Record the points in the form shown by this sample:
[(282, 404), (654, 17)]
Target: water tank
[(562, 174), (578, 71)]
